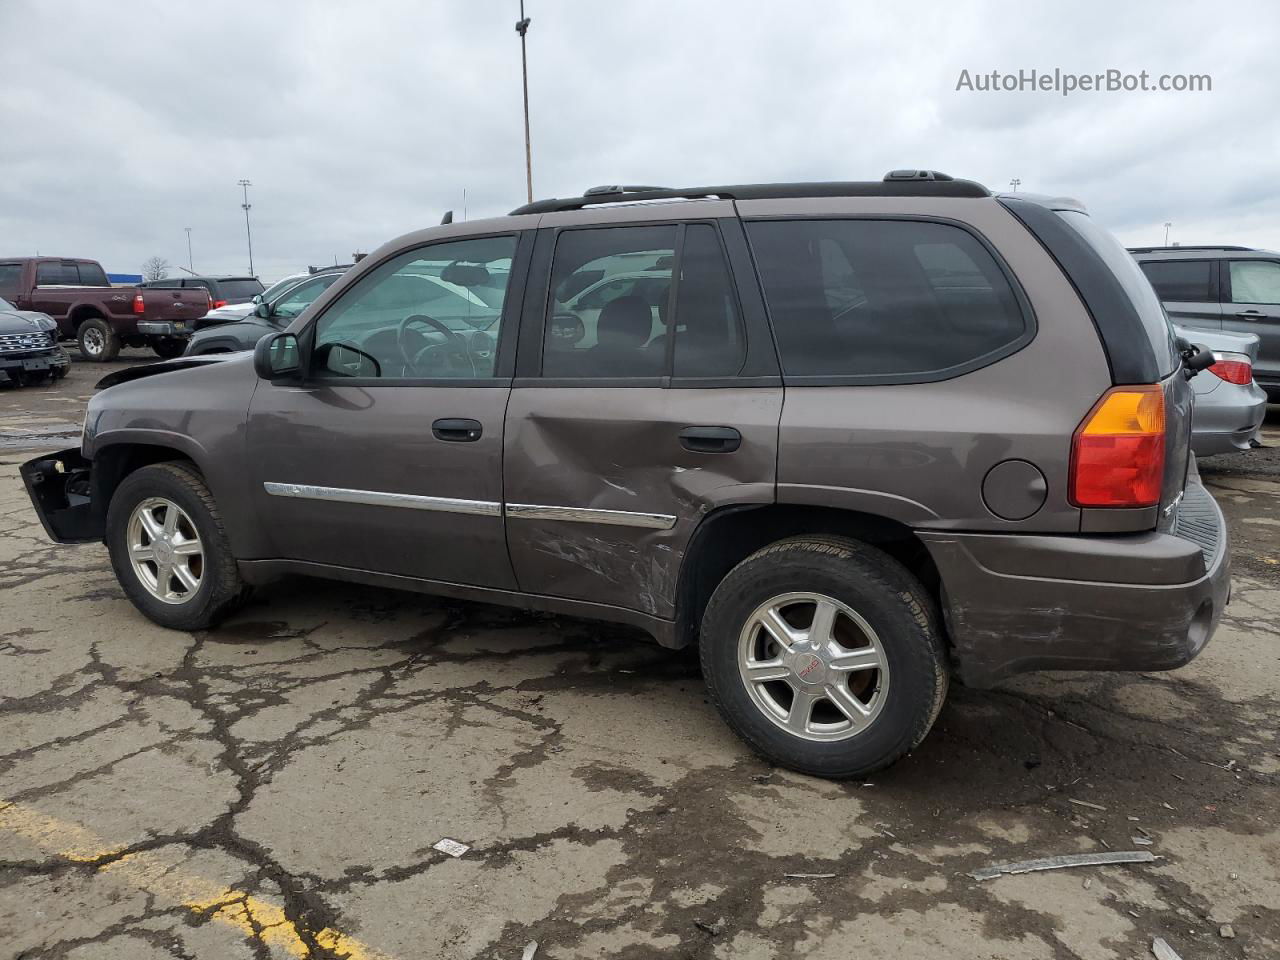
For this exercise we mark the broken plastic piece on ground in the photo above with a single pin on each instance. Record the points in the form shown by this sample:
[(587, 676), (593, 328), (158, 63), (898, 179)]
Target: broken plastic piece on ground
[(1163, 951), (1085, 803), (530, 949), (809, 876), (1099, 859), (452, 847), (1142, 841), (1227, 932)]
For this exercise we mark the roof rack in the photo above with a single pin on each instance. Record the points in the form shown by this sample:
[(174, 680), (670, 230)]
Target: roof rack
[(896, 183), (1204, 246)]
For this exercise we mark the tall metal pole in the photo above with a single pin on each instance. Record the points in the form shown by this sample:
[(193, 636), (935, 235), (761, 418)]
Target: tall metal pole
[(1167, 225), (1015, 183), (522, 27), (190, 266), (245, 185)]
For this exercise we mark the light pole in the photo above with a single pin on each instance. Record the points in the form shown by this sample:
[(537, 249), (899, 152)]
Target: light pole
[(190, 266), (522, 27), (245, 185), (1015, 183), (1167, 225)]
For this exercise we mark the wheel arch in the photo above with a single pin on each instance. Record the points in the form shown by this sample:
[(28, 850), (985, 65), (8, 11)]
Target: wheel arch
[(726, 537), (83, 312)]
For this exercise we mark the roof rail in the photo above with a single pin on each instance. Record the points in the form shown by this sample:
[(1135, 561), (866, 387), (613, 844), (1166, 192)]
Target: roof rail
[(1204, 246), (898, 183)]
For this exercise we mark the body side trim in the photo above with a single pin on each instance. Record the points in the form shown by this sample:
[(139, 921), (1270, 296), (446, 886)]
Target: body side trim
[(622, 518), (378, 498)]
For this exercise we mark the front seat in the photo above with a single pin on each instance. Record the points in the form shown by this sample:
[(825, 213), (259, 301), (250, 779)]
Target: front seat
[(622, 330)]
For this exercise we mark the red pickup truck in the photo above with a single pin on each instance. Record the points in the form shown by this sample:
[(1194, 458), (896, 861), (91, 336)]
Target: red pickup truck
[(102, 318)]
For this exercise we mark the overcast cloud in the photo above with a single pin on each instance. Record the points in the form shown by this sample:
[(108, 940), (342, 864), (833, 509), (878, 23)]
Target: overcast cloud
[(122, 123)]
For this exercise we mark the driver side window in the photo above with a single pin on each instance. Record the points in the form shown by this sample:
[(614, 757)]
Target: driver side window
[(434, 312)]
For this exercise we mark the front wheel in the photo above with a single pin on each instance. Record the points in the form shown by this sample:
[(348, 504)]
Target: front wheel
[(825, 656), (169, 550)]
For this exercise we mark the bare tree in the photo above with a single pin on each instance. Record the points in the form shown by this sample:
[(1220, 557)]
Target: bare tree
[(155, 268)]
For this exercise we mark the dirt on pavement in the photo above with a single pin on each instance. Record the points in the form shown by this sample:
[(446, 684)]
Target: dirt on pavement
[(274, 788)]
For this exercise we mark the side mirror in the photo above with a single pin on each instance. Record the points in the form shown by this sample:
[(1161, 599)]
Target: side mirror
[(263, 310), (277, 357), (257, 298)]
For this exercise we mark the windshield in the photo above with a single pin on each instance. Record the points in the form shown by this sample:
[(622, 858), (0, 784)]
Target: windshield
[(279, 287)]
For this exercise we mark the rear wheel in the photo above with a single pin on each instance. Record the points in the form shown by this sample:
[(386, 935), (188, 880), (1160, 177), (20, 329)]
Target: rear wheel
[(169, 347), (98, 342), (169, 550), (825, 656)]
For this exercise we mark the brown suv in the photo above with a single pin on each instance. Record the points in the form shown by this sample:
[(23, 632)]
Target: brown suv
[(847, 437)]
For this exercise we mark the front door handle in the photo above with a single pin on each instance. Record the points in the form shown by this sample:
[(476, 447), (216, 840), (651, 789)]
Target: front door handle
[(457, 430), (710, 439), (1251, 315)]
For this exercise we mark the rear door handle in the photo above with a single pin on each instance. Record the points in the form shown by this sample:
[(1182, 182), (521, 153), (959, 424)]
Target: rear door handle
[(710, 439), (1251, 315), (457, 430)]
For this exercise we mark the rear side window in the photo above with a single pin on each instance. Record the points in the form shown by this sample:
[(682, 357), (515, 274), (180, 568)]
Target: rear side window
[(1181, 281), (884, 300), (92, 275), (613, 314), (239, 289), (57, 275), (10, 277), (1141, 295)]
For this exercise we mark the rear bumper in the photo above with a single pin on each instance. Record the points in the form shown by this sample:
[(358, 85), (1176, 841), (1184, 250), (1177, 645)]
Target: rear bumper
[(1227, 419), (1141, 602), (165, 328)]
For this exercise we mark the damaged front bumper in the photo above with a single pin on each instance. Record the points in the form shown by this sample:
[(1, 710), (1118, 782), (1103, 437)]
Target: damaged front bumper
[(61, 489), (1015, 603), (25, 365)]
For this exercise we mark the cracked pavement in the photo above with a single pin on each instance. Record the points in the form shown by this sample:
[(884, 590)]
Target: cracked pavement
[(273, 789)]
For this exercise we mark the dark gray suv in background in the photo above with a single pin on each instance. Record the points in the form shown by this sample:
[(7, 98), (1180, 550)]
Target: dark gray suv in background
[(849, 438), (1231, 289)]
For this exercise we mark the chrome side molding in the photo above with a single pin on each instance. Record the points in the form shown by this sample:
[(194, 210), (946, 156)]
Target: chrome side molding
[(379, 498), (619, 518)]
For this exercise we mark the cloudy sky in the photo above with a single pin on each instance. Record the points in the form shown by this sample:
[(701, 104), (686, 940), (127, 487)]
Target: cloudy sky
[(122, 123)]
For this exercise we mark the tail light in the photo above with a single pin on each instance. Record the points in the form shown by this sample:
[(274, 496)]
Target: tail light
[(218, 303), (138, 305), (1117, 453), (1232, 367)]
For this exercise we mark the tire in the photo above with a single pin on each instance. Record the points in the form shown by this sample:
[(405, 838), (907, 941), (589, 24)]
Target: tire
[(881, 613), (218, 590), (169, 347), (98, 342)]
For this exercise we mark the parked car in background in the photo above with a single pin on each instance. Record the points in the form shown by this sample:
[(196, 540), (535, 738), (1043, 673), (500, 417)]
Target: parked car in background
[(1222, 288), (100, 317), (29, 350), (856, 465), (269, 316), (1229, 406), (223, 291), (240, 311)]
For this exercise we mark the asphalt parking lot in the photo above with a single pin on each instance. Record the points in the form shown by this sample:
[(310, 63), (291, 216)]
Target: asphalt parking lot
[(274, 788)]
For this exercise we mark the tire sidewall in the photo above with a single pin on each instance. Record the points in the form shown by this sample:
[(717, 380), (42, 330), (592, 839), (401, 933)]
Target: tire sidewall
[(901, 622), (152, 482), (109, 347)]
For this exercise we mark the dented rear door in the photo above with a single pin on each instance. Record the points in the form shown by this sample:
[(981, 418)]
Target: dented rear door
[(607, 477)]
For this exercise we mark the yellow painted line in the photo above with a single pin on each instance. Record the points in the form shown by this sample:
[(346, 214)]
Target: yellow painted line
[(149, 870)]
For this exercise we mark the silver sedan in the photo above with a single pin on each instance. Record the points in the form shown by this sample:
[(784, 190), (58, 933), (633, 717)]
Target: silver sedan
[(1229, 407)]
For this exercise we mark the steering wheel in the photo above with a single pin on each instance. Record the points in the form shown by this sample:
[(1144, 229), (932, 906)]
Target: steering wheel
[(454, 349)]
